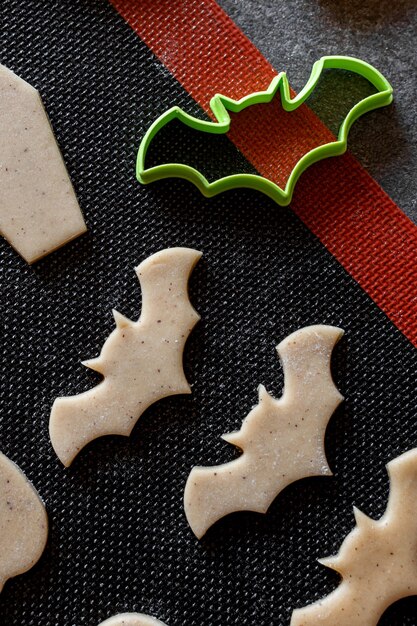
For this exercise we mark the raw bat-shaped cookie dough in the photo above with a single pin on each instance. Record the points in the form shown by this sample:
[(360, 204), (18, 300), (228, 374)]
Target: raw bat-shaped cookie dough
[(377, 560), (23, 522), (39, 211), (282, 440), (141, 361), (132, 619)]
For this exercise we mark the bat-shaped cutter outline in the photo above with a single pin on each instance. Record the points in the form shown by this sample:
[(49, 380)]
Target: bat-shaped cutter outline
[(220, 105)]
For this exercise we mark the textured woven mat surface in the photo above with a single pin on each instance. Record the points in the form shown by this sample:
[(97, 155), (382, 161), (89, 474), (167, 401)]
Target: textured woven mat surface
[(119, 540)]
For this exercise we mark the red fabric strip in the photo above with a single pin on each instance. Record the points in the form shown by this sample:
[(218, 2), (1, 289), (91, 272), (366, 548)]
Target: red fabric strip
[(337, 199)]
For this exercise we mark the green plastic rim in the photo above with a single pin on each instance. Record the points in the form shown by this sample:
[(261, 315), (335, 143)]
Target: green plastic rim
[(220, 105)]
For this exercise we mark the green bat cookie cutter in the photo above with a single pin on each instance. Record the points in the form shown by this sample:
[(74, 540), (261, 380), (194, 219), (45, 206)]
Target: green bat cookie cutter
[(221, 104)]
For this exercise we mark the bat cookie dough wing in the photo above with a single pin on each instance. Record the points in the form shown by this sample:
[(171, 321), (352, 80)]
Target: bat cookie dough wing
[(281, 440), (141, 361)]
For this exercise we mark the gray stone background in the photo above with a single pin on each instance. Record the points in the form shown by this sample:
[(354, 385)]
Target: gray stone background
[(292, 34)]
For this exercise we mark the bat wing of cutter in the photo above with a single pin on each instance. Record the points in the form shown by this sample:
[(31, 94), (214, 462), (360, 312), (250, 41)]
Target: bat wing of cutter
[(221, 105)]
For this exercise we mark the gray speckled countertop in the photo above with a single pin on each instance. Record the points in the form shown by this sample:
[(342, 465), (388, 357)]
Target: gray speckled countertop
[(292, 34)]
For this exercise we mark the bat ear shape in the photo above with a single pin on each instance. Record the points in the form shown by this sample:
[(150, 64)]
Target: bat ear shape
[(264, 396), (331, 562), (362, 520), (121, 320)]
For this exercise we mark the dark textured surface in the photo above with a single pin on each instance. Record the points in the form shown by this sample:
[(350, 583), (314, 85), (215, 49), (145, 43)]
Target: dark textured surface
[(119, 540)]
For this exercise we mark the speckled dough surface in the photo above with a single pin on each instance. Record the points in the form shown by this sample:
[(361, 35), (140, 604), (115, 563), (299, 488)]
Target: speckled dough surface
[(282, 440), (23, 522), (377, 560), (141, 361), (132, 619), (39, 211)]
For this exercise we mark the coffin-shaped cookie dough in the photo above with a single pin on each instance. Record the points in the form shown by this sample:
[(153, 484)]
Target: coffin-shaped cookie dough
[(141, 361), (39, 211), (377, 560), (282, 440), (132, 619), (23, 522)]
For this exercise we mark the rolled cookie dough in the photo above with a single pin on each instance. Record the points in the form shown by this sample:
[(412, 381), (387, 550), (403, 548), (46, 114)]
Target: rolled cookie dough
[(39, 211), (282, 440), (23, 522), (132, 619), (141, 361), (377, 560)]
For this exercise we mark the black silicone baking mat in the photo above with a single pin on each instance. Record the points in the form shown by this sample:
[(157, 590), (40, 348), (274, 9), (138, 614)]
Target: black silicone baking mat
[(118, 538)]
